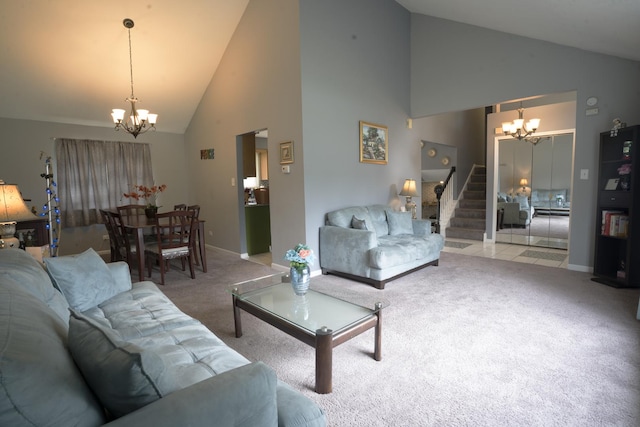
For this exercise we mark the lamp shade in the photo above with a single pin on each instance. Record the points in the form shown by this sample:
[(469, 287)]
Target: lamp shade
[(12, 207), (409, 188), (524, 182)]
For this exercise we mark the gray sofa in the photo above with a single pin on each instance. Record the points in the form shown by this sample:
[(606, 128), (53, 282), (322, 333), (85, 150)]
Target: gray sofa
[(125, 355), (375, 245)]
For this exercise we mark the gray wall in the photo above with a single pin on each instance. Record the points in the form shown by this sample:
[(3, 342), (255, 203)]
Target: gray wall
[(355, 66), (256, 86), (20, 163), (457, 67), (464, 130)]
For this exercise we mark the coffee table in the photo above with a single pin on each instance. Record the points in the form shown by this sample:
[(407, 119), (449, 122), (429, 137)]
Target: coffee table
[(317, 319)]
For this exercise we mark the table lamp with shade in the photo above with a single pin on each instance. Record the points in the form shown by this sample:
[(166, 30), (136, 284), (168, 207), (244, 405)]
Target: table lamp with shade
[(523, 183), (12, 210), (409, 191)]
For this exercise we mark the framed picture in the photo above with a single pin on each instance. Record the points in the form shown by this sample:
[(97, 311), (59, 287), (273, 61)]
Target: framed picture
[(286, 152), (374, 143)]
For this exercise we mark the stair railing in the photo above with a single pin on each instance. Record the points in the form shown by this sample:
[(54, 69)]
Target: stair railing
[(444, 194)]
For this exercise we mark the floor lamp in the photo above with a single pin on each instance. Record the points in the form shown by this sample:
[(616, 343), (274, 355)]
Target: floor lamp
[(12, 210)]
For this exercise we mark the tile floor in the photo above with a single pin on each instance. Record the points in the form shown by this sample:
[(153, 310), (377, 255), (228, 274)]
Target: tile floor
[(519, 253)]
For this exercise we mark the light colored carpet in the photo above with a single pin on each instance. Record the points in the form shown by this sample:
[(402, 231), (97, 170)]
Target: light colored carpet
[(473, 342)]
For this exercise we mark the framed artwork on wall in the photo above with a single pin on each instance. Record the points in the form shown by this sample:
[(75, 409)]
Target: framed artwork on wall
[(286, 152), (374, 143)]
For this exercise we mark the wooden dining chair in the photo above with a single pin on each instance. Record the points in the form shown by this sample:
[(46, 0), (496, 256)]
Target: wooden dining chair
[(180, 207), (175, 241), (131, 210), (125, 245), (106, 220), (197, 241)]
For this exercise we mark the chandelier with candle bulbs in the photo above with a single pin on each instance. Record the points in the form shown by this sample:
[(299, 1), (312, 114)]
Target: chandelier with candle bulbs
[(521, 130), (139, 121)]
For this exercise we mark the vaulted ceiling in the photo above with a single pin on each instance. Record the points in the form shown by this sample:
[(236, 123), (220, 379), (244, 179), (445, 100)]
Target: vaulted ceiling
[(68, 61)]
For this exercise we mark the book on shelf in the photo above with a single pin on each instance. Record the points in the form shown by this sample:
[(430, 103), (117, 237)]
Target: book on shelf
[(614, 223)]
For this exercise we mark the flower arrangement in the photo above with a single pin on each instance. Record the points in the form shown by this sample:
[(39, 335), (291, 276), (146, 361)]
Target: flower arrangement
[(300, 257), (149, 194)]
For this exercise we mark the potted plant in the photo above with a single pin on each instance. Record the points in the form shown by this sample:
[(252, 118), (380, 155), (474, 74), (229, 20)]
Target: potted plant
[(150, 196)]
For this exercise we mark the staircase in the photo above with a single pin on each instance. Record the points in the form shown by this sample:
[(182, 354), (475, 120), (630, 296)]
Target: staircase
[(469, 218)]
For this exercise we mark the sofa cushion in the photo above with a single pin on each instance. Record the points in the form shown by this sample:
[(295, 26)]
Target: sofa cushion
[(84, 279), (39, 382), (378, 215), (124, 376), (22, 268), (523, 201), (342, 217), (151, 347), (358, 224), (401, 249), (399, 223)]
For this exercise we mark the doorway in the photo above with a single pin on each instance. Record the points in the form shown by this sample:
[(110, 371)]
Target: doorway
[(253, 196)]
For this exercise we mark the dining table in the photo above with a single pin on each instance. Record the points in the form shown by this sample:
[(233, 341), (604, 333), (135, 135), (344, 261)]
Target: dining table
[(138, 224)]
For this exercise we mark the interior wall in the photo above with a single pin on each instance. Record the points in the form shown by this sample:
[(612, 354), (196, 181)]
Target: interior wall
[(20, 163), (355, 66), (256, 86), (442, 80), (462, 129)]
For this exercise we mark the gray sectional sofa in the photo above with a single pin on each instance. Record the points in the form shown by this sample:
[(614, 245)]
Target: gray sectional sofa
[(375, 245), (100, 350)]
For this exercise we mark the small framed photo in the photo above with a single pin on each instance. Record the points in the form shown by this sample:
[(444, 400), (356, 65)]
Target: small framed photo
[(374, 143), (286, 152)]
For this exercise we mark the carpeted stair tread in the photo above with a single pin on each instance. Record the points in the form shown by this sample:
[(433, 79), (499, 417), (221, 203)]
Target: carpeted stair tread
[(470, 213), (465, 233), (474, 223)]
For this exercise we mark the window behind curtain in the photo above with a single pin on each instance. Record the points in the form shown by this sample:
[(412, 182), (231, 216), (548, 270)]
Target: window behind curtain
[(93, 175)]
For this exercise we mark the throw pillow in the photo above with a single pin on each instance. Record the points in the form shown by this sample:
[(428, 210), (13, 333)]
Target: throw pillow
[(358, 224), (399, 223), (524, 202), (84, 279), (124, 376)]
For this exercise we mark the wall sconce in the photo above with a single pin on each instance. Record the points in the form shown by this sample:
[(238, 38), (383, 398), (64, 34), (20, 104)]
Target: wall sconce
[(523, 183), (409, 191), (12, 210)]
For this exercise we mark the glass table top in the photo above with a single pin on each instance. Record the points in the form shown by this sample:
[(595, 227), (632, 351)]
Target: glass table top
[(313, 311)]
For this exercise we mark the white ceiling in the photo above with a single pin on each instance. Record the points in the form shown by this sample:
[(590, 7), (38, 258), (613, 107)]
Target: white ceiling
[(68, 61)]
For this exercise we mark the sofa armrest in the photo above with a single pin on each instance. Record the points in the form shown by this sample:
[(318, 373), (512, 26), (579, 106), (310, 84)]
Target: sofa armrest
[(245, 396), (346, 249), (120, 272), (421, 227)]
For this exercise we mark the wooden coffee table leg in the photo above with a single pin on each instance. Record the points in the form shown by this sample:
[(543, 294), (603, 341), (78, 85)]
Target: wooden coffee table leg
[(377, 354), (324, 360), (236, 318)]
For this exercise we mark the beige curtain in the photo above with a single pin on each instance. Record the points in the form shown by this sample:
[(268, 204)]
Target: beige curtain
[(93, 175)]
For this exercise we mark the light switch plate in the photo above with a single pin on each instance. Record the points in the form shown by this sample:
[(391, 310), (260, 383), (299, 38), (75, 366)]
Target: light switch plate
[(286, 169), (584, 173)]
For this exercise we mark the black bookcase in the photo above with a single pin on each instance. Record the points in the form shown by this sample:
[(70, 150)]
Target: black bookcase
[(617, 249)]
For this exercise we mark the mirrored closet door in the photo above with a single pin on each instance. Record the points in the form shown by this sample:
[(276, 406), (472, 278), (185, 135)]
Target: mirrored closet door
[(534, 191)]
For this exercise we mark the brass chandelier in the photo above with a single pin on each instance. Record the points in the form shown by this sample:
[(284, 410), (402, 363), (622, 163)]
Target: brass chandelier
[(139, 121)]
